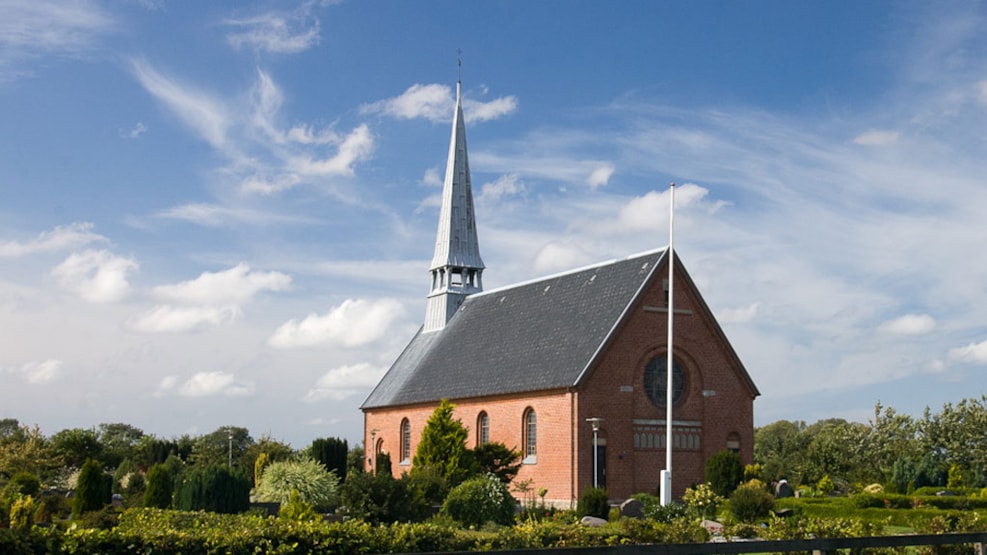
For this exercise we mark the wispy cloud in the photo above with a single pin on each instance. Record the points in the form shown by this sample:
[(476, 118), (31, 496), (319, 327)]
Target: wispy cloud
[(206, 384), (60, 238), (974, 353), (909, 324), (264, 156), (38, 373), (32, 28), (172, 319), (277, 32), (219, 215)]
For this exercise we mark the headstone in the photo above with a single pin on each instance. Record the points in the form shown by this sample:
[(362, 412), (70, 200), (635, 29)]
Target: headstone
[(632, 508), (783, 489), (593, 521)]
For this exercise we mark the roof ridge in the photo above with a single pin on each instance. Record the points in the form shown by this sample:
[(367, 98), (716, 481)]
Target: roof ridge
[(556, 275)]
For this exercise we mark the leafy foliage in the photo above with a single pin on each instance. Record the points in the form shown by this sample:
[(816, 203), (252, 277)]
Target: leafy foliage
[(751, 502), (723, 472), (443, 446), (306, 478), (77, 445), (376, 498), (297, 509), (495, 458), (479, 500), (702, 500)]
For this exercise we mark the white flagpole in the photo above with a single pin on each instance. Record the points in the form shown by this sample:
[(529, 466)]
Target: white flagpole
[(666, 475)]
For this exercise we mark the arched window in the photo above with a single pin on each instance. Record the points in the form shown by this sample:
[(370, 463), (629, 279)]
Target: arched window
[(530, 435), (482, 429), (405, 441)]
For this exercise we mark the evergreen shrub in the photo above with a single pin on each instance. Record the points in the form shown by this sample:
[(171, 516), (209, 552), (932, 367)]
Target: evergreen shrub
[(593, 502), (215, 488), (724, 471), (750, 502)]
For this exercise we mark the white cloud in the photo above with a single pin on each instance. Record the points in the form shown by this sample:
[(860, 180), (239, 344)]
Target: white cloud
[(217, 215), (556, 257), (982, 90), (345, 381), (974, 353), (436, 102), (59, 238), (167, 318), (353, 323), (274, 32), (235, 286), (474, 110), (201, 112), (204, 384), (96, 276), (135, 132), (357, 146), (39, 373), (505, 185), (650, 210), (600, 176), (876, 138), (737, 315), (909, 324), (432, 177), (32, 28)]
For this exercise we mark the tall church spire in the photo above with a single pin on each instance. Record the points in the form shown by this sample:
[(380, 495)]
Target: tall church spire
[(456, 268)]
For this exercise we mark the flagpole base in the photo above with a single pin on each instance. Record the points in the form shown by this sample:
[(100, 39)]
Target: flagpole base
[(666, 487)]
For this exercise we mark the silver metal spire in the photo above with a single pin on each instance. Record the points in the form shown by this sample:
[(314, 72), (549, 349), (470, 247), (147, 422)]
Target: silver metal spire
[(456, 267)]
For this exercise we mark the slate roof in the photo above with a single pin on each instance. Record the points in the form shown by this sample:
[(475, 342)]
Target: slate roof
[(534, 336)]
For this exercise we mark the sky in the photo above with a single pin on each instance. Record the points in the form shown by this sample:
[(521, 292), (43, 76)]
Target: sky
[(222, 213)]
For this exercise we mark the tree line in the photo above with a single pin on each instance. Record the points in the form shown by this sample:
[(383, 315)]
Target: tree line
[(947, 448)]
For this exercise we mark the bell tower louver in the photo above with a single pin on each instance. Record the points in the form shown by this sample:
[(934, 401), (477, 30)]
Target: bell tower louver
[(456, 268)]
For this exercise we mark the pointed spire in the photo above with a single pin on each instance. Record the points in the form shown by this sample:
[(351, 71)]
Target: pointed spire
[(456, 267)]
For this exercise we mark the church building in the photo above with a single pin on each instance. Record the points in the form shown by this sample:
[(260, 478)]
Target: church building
[(569, 369)]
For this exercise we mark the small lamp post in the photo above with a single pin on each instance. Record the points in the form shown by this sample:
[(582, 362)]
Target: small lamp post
[(229, 436), (595, 422), (373, 450)]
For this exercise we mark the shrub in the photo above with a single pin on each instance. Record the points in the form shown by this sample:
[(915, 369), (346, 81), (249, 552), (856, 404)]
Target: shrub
[(214, 488), (93, 489), (825, 485), (375, 498), (479, 500), (297, 509), (314, 484), (332, 453), (25, 483), (22, 512), (159, 488), (593, 502), (724, 471), (750, 502), (702, 500)]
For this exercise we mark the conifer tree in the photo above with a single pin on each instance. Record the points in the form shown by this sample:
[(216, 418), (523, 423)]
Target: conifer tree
[(443, 447)]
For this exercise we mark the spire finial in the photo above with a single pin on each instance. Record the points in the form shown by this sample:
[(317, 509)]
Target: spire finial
[(459, 60)]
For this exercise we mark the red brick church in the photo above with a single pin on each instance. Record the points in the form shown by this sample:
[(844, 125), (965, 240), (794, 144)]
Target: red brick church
[(536, 365)]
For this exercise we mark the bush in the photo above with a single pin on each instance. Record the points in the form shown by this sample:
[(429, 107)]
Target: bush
[(214, 488), (297, 509), (93, 489), (750, 502), (375, 499), (22, 512), (479, 500), (314, 484), (25, 483), (159, 488), (724, 472), (593, 502), (702, 500)]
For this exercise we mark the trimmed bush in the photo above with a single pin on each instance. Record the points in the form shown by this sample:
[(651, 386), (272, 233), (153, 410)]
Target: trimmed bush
[(93, 490), (308, 478), (480, 500), (593, 502), (160, 487), (750, 503)]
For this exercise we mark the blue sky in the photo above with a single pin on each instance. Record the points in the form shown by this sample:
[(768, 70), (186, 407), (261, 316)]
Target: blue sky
[(217, 213)]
